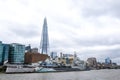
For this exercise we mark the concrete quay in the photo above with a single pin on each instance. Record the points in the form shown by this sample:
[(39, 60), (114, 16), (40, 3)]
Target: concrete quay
[(19, 70)]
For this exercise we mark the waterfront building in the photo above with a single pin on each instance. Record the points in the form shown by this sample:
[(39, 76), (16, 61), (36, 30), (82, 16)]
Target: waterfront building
[(1, 52), (31, 57), (6, 48), (44, 45), (16, 55), (92, 62)]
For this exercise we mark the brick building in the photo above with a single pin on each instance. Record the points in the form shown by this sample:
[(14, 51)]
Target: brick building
[(34, 57)]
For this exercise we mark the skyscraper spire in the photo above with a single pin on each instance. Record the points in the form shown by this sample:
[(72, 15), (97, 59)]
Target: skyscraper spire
[(44, 45)]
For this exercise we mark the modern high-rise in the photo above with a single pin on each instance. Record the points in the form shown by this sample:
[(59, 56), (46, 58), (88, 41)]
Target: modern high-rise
[(4, 53), (108, 60), (53, 55), (17, 52), (44, 45), (6, 48), (1, 52)]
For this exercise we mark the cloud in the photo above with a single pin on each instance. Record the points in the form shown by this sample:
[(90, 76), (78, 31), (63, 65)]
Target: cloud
[(29, 32), (95, 8), (90, 27)]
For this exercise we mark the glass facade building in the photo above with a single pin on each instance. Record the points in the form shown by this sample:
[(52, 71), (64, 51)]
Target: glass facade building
[(44, 45), (6, 48), (17, 52), (108, 60), (53, 55), (1, 52)]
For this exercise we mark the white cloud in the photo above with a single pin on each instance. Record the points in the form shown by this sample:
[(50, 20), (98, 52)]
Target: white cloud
[(74, 25)]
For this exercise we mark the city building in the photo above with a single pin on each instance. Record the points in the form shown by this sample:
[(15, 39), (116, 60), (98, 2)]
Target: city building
[(34, 50), (108, 60), (53, 55), (6, 48), (92, 62), (28, 48), (1, 52), (68, 55), (4, 53), (16, 55), (34, 57), (61, 55), (44, 45)]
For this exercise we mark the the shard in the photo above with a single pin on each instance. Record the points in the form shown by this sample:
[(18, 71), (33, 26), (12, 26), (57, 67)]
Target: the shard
[(44, 45)]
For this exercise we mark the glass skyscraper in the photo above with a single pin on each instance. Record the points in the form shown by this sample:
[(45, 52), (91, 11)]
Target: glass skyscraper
[(5, 52), (108, 60), (53, 55), (16, 55), (44, 45), (1, 52)]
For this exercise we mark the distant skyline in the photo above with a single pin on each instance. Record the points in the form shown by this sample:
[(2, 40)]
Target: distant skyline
[(89, 27)]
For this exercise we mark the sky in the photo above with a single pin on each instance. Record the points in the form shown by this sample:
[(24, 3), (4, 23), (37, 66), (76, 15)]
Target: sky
[(91, 28)]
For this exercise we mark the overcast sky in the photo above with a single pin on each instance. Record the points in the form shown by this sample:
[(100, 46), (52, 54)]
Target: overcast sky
[(89, 27)]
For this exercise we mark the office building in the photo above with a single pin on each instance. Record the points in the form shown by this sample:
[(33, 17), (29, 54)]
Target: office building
[(34, 50), (16, 55), (28, 48), (1, 52), (6, 48), (108, 60), (92, 62), (53, 55), (68, 55), (4, 53), (31, 57), (44, 45)]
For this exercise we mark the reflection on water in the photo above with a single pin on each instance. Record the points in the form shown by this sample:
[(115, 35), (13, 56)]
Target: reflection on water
[(81, 75)]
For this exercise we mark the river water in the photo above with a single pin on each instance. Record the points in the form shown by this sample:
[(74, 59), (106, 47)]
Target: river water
[(108, 74)]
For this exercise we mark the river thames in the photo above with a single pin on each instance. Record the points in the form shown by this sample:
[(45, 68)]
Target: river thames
[(107, 74)]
